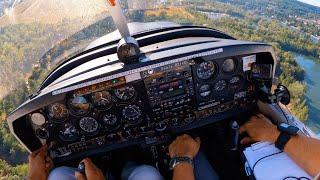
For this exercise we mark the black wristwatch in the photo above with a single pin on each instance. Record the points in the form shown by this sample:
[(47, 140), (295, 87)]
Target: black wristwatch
[(286, 132), (177, 160)]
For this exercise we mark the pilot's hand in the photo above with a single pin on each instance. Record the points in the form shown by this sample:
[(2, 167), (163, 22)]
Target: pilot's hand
[(92, 172), (40, 164), (259, 128), (184, 146)]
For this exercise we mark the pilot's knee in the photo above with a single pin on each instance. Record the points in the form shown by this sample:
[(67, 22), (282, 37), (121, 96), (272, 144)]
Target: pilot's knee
[(145, 172), (62, 173)]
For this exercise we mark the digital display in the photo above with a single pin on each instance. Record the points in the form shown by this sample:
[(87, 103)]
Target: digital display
[(171, 89), (173, 93)]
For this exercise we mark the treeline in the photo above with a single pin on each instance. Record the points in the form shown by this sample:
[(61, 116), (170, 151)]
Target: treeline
[(299, 16), (248, 25)]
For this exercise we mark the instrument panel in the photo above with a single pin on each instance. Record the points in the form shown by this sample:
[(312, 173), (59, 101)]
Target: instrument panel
[(163, 100)]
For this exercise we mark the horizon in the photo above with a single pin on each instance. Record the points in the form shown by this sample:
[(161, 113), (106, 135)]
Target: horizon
[(311, 2)]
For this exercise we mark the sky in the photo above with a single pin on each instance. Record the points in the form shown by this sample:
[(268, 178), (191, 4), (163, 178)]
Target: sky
[(312, 2)]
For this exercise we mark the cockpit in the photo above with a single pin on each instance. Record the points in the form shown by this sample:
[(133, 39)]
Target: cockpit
[(187, 79)]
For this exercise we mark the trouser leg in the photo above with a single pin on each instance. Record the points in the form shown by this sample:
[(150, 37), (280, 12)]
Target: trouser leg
[(132, 171), (62, 173), (203, 169)]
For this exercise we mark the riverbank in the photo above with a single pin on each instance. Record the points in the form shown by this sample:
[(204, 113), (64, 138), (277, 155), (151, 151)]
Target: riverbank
[(312, 80)]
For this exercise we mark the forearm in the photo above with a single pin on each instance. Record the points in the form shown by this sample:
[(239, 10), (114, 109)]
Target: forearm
[(305, 152), (37, 177), (183, 171)]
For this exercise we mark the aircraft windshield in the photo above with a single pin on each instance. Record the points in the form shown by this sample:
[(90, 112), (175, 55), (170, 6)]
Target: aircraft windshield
[(37, 35)]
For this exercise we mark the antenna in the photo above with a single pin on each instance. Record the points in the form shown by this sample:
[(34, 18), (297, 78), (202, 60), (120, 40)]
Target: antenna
[(128, 48)]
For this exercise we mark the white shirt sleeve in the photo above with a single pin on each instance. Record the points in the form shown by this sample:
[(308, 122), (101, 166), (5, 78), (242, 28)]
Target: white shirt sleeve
[(317, 177)]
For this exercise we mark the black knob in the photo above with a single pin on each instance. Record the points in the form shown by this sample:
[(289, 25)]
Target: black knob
[(82, 168)]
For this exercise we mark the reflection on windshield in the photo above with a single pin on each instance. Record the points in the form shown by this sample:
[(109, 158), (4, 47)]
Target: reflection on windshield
[(36, 35)]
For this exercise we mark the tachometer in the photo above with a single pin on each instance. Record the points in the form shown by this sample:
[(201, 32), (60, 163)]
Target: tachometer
[(58, 112), (89, 125), (131, 113), (206, 70), (228, 65), (125, 93), (79, 106), (102, 100), (220, 85)]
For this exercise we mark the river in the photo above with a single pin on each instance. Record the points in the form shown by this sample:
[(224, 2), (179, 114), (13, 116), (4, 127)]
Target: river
[(312, 80)]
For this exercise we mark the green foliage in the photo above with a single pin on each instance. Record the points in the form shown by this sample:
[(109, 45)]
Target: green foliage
[(8, 172)]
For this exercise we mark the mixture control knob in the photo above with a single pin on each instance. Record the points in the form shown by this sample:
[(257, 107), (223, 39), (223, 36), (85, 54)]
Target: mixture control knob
[(162, 126)]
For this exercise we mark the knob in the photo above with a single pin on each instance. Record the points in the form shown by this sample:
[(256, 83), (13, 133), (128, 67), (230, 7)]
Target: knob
[(161, 126)]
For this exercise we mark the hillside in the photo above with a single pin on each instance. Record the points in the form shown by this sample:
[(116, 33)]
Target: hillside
[(53, 11)]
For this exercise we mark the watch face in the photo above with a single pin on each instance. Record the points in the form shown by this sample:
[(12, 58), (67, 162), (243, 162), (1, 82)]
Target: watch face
[(292, 130)]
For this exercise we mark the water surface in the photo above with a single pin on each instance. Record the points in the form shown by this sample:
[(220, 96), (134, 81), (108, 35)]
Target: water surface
[(312, 80)]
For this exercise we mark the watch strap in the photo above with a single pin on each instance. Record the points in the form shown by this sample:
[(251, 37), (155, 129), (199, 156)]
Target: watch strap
[(178, 160), (282, 140)]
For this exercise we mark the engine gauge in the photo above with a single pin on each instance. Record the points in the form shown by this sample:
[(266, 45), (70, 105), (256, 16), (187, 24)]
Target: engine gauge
[(131, 113), (110, 119), (234, 82), (220, 85), (58, 112), (79, 106), (125, 93), (228, 65), (89, 125), (38, 119), (204, 90), (68, 132), (206, 70), (102, 100)]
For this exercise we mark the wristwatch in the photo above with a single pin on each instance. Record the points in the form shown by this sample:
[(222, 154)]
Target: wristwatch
[(286, 132), (178, 160)]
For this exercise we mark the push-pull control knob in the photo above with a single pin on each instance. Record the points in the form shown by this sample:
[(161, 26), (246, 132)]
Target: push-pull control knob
[(162, 126)]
